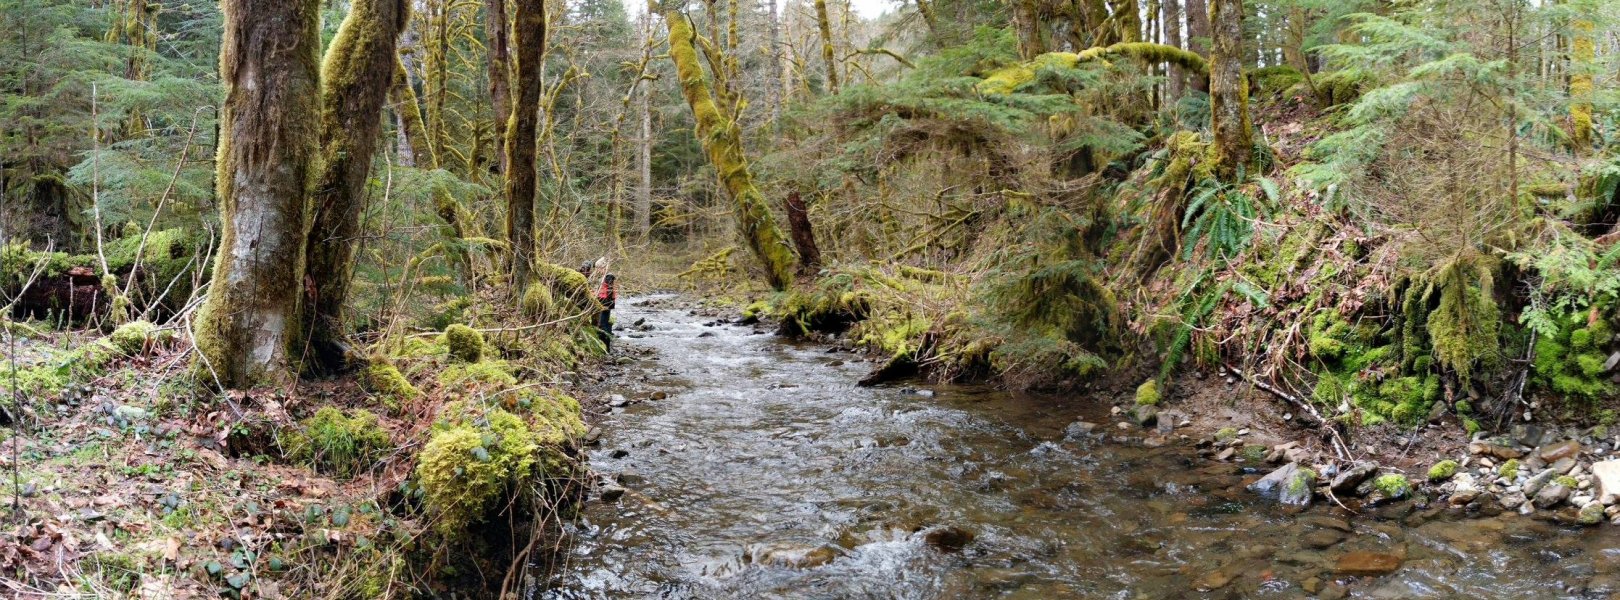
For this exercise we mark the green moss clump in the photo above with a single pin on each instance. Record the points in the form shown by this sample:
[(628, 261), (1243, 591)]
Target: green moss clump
[(1443, 470), (1147, 394), (465, 343), (1275, 79), (537, 301), (756, 309), (474, 465), (336, 443), (1567, 481), (1570, 361), (496, 373), (1392, 485), (1509, 470), (388, 383), (1226, 434), (132, 338), (1302, 482)]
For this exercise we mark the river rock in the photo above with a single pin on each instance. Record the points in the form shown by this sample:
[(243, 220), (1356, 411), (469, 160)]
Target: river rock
[(1550, 496), (1367, 564), (1553, 453), (1606, 474), (1289, 484), (792, 556), (948, 538), (1563, 466), (1538, 481), (1079, 430), (617, 401), (1494, 450), (1145, 415), (1351, 476), (1321, 539), (1513, 500), (611, 493), (1591, 514), (1463, 489)]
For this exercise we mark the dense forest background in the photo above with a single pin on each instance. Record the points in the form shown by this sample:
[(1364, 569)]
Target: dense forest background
[(1383, 213)]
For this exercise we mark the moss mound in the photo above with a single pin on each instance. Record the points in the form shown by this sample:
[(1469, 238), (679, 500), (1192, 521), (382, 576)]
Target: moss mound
[(465, 343), (388, 383), (1147, 394), (1443, 470), (477, 464), (133, 338)]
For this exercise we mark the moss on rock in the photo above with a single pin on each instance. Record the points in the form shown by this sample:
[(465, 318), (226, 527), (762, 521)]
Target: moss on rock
[(1509, 470), (1392, 485), (132, 338), (1443, 470), (476, 465), (388, 383), (1147, 394)]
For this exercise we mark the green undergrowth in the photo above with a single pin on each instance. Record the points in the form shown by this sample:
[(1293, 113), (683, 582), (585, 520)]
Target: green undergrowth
[(60, 369), (337, 443), (167, 260)]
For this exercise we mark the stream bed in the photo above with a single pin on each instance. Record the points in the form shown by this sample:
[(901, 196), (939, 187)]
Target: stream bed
[(764, 472)]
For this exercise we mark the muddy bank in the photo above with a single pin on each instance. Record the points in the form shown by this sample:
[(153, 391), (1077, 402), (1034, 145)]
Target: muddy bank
[(743, 465)]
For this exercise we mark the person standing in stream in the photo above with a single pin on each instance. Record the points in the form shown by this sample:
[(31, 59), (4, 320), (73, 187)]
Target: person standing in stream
[(607, 295)]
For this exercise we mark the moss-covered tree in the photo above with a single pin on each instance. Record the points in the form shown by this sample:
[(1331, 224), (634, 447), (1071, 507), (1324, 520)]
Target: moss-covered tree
[(528, 39), (1229, 90), (269, 134), (722, 141), (355, 78), (500, 69), (824, 26)]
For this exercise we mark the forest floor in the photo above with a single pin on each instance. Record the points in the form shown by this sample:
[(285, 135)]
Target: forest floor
[(129, 487)]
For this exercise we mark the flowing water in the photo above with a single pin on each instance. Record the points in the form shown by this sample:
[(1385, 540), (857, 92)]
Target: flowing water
[(766, 473)]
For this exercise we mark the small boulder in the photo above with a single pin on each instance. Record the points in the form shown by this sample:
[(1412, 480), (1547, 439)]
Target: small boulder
[(1290, 484), (611, 493), (1464, 489), (1551, 495), (1606, 476), (1513, 500), (1538, 481), (1351, 476), (1591, 514), (792, 556), (1145, 415), (1555, 452), (948, 538), (1494, 450)]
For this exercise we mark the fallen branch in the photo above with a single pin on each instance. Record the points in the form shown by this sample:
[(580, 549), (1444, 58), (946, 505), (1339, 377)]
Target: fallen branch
[(1339, 446)]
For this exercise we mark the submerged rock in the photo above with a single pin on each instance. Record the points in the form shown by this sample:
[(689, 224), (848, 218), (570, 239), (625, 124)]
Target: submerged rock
[(792, 556), (1291, 484), (948, 538), (1367, 564)]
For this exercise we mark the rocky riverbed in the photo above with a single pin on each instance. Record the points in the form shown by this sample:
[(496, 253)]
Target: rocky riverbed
[(739, 465)]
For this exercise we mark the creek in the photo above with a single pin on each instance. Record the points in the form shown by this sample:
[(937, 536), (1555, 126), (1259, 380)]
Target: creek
[(766, 473)]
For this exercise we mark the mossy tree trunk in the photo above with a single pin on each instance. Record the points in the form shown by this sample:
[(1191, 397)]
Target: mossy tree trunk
[(1582, 53), (269, 140), (1228, 90), (1198, 35), (1172, 36), (722, 141), (409, 109), (529, 40), (1027, 22), (500, 69), (824, 25), (931, 20), (355, 78)]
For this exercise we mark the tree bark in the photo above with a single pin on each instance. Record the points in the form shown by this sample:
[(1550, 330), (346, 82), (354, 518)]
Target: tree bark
[(529, 39), (1027, 22), (269, 139), (1228, 91), (356, 75), (824, 24), (645, 143), (926, 9), (409, 108), (1172, 36), (1582, 53), (722, 142), (804, 236), (1198, 35), (500, 69)]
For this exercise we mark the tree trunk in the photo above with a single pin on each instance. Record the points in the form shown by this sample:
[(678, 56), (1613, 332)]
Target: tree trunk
[(269, 139), (824, 24), (804, 236), (1172, 36), (645, 142), (1027, 22), (926, 9), (1127, 21), (529, 39), (409, 109), (1293, 47), (500, 70), (1228, 92), (1198, 35), (356, 75), (1582, 53), (722, 141)]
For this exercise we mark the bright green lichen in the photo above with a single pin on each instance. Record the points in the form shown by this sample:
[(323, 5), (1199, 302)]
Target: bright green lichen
[(1147, 394), (1567, 481), (1226, 434), (1509, 470), (336, 443), (1302, 482), (1392, 485), (1443, 470)]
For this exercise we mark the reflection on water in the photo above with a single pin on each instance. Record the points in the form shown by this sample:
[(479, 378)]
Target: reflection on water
[(766, 473)]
